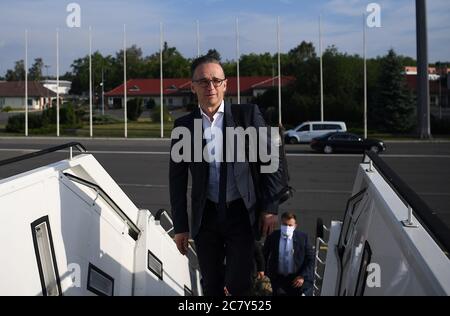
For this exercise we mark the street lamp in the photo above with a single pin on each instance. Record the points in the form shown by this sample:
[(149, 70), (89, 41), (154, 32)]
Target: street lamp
[(102, 84)]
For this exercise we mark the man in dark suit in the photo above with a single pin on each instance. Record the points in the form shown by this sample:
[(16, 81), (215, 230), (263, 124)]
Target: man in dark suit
[(223, 194), (289, 259)]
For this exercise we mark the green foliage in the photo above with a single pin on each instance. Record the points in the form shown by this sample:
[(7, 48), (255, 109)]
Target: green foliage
[(174, 64), (394, 110), (104, 119), (113, 74), (303, 52), (67, 116), (390, 104), (134, 109), (45, 121), (257, 65), (16, 74), (7, 109), (16, 123), (229, 68), (138, 66), (343, 91), (156, 115), (35, 72)]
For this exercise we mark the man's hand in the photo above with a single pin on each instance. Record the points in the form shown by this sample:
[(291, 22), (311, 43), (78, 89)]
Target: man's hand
[(268, 223), (298, 282), (182, 241), (260, 275)]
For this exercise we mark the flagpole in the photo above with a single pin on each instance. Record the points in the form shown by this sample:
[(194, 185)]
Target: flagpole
[(90, 82), (57, 82), (365, 75), (279, 71), (238, 57), (26, 82), (321, 69), (103, 93), (161, 77), (125, 81), (198, 38)]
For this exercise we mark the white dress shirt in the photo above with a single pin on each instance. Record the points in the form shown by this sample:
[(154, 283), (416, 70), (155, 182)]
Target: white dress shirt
[(286, 256), (212, 132)]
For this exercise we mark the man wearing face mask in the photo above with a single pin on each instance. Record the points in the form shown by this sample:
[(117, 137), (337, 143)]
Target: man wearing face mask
[(289, 259)]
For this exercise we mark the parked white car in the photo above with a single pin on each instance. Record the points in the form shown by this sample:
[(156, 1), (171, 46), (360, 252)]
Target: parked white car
[(305, 132)]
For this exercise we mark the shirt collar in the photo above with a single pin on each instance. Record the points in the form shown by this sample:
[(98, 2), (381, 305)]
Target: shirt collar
[(220, 110)]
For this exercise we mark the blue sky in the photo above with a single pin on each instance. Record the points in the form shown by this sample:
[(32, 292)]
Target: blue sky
[(342, 26)]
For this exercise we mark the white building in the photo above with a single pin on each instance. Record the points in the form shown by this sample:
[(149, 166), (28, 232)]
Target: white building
[(64, 86), (12, 94)]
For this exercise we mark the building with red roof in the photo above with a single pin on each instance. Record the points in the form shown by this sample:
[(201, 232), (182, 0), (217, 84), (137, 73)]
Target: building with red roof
[(438, 81), (177, 91)]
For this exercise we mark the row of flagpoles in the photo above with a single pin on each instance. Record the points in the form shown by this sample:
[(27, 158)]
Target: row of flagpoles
[(161, 76)]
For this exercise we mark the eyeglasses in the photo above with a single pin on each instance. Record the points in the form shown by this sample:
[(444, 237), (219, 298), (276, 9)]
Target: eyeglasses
[(204, 83)]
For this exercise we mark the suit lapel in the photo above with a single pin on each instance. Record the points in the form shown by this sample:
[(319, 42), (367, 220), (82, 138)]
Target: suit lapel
[(198, 116)]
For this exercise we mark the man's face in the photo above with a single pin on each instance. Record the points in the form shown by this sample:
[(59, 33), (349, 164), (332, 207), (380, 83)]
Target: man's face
[(208, 95), (290, 222)]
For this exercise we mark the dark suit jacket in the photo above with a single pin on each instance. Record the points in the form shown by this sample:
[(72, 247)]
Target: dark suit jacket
[(178, 177), (303, 255)]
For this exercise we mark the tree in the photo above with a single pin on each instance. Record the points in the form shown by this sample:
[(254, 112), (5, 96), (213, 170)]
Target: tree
[(297, 58), (18, 73), (343, 86), (303, 52), (135, 63), (156, 114), (35, 72), (174, 64), (80, 73), (135, 108), (395, 108), (258, 65), (230, 68)]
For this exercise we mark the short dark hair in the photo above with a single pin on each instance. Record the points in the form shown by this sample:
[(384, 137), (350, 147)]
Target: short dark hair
[(288, 216), (205, 59)]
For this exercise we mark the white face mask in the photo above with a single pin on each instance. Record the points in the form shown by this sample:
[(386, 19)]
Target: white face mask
[(287, 230)]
